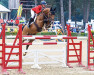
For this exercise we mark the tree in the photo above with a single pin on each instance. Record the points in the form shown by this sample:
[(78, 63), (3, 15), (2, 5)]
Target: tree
[(4, 3), (35, 2), (88, 10), (69, 9), (62, 15)]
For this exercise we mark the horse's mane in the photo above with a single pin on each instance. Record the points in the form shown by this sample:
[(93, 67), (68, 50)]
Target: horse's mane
[(46, 10)]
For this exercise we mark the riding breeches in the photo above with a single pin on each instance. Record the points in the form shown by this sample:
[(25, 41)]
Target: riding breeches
[(32, 13)]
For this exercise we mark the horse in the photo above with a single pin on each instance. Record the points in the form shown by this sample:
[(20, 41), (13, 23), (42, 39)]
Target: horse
[(45, 18)]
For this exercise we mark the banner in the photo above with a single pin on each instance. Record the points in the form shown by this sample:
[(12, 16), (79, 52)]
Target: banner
[(19, 13)]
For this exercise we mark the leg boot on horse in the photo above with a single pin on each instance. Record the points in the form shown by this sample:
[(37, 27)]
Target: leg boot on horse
[(26, 49), (27, 46)]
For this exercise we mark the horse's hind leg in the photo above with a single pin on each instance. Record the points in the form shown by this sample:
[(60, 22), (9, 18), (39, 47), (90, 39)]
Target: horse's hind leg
[(27, 46), (22, 42)]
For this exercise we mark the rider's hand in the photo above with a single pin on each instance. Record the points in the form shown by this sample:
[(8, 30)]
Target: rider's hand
[(42, 9)]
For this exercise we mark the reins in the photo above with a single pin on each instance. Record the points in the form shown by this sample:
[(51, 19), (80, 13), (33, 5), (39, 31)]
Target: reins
[(45, 20)]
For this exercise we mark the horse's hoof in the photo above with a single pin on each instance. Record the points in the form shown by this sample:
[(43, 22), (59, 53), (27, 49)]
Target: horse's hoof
[(24, 54), (16, 54)]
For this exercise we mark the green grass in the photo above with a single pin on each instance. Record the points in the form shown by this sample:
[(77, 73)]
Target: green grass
[(92, 48)]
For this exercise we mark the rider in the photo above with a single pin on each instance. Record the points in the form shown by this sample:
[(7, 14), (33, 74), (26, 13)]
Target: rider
[(37, 10)]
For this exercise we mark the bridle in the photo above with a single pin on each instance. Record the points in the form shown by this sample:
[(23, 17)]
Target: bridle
[(47, 19)]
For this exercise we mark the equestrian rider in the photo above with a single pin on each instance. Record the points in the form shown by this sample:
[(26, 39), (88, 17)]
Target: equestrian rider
[(37, 10)]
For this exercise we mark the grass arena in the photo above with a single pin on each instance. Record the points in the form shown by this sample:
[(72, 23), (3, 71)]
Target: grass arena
[(44, 59)]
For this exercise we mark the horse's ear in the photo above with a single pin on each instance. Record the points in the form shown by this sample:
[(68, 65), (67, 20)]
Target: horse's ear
[(54, 8)]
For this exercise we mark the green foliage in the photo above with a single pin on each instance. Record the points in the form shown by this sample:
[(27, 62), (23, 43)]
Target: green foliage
[(92, 49), (41, 33), (1, 3), (11, 33), (91, 41), (77, 9), (74, 34), (46, 33), (49, 33), (78, 34), (4, 3), (7, 33), (92, 32), (83, 34)]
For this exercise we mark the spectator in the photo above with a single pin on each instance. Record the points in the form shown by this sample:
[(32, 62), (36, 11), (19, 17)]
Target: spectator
[(11, 22), (77, 30), (16, 22), (74, 29)]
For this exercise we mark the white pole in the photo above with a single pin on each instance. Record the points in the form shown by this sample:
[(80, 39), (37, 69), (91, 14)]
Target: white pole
[(36, 65), (64, 58), (1, 15)]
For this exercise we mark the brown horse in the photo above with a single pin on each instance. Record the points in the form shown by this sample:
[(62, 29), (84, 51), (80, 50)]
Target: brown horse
[(46, 17)]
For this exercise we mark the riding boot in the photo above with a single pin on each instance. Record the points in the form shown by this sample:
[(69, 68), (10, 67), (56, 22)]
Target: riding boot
[(30, 21)]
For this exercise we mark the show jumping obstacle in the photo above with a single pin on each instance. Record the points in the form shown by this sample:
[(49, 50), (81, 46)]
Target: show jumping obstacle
[(19, 46), (90, 52), (78, 51), (50, 43), (5, 60)]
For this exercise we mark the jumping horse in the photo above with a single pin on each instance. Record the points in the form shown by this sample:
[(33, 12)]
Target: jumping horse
[(45, 18)]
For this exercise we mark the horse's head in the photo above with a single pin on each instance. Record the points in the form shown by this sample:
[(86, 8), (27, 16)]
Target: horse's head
[(49, 14)]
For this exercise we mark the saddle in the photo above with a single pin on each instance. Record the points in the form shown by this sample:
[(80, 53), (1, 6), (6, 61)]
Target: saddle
[(34, 18)]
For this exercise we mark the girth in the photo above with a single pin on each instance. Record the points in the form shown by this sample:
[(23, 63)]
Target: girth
[(39, 29)]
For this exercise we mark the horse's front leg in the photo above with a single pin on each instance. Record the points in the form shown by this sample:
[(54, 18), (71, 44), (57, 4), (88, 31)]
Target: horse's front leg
[(27, 47)]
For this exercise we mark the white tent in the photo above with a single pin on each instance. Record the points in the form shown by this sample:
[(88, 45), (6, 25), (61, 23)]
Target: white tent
[(3, 10)]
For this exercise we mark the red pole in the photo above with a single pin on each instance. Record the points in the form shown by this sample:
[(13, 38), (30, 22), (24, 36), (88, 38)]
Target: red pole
[(80, 53), (88, 46), (20, 50), (67, 46), (20, 47), (3, 47)]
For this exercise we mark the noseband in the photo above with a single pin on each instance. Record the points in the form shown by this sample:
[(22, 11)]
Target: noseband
[(47, 19)]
